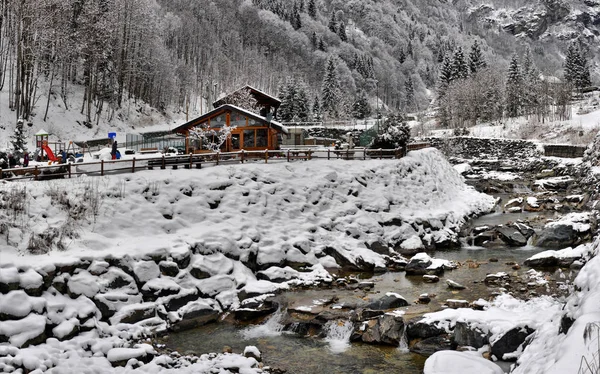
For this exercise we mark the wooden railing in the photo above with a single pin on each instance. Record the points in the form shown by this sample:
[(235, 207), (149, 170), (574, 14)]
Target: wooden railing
[(131, 165)]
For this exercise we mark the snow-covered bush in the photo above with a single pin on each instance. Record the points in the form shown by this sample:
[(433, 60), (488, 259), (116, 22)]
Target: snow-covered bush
[(394, 134)]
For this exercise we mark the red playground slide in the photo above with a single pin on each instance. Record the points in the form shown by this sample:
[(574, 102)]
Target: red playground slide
[(49, 153)]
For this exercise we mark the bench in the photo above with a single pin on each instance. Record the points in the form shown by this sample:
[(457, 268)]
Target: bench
[(175, 161), (148, 150)]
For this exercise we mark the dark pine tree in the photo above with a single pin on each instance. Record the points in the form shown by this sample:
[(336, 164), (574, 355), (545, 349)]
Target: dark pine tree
[(301, 104), (410, 93), (361, 108), (514, 86), (342, 32), (330, 89), (332, 25), (321, 45), (476, 61), (316, 110), (314, 40), (312, 9), (17, 141), (570, 69), (460, 70), (446, 77)]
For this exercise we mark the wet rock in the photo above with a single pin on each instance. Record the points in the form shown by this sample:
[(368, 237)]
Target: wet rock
[(424, 299), (389, 301), (418, 265), (457, 303), (496, 279), (253, 309), (454, 285), (511, 236), (416, 329), (175, 302), (365, 285), (252, 351), (510, 342), (465, 334), (109, 303), (366, 314), (484, 237), (429, 346), (430, 278), (386, 329), (194, 314), (517, 202), (342, 258), (557, 236)]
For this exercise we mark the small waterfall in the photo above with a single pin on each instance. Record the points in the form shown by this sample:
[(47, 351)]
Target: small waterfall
[(403, 346), (337, 334), (271, 327)]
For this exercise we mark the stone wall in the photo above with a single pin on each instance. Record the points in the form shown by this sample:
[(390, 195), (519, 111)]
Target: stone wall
[(487, 148)]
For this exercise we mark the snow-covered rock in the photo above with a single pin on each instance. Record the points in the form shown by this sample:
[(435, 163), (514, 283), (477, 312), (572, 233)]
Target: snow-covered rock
[(452, 362)]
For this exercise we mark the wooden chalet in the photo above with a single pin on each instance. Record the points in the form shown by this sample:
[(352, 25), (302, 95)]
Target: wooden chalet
[(250, 131), (265, 103)]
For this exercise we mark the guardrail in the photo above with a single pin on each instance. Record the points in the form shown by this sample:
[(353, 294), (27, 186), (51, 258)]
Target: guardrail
[(131, 165)]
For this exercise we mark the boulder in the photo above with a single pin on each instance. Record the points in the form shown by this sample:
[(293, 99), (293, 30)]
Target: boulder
[(120, 356), (253, 309), (511, 236), (145, 271), (9, 279), (134, 313), (168, 268), (386, 329), (454, 285), (510, 342), (429, 346), (415, 329), (32, 282), (497, 279), (418, 264), (456, 303), (557, 236), (185, 296), (17, 304), (391, 300), (484, 237), (430, 278), (465, 334), (194, 314)]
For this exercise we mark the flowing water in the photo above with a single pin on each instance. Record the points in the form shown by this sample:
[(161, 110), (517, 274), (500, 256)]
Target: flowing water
[(333, 353)]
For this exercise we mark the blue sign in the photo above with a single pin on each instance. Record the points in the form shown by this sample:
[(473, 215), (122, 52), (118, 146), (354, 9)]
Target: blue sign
[(112, 135)]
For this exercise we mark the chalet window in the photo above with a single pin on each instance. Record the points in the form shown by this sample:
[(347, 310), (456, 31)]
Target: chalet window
[(218, 121), (249, 138), (262, 139), (237, 120)]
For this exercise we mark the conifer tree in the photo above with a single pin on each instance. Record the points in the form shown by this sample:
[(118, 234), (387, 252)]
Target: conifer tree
[(287, 94), (514, 85), (410, 93), (330, 89), (342, 32), (460, 70), (301, 104), (476, 61), (314, 40), (316, 110), (531, 82), (18, 140), (570, 69), (361, 108), (312, 9), (295, 17), (446, 75), (321, 45), (332, 23)]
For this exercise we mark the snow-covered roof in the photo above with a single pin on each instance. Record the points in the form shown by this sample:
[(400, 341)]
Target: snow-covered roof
[(228, 107), (41, 132)]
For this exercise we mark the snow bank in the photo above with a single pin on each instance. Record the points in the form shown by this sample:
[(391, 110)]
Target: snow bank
[(452, 362)]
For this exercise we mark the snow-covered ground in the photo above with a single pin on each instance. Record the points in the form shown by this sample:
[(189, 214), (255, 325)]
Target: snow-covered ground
[(287, 213)]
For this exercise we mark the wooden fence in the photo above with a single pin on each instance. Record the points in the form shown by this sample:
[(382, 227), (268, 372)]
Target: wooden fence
[(131, 165)]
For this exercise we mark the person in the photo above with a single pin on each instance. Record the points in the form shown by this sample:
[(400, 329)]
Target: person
[(113, 152), (26, 159), (63, 155), (12, 161)]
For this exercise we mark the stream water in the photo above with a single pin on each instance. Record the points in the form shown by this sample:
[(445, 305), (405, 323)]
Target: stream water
[(334, 353)]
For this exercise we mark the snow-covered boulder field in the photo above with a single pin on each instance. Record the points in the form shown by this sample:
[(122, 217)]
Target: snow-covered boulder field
[(125, 256)]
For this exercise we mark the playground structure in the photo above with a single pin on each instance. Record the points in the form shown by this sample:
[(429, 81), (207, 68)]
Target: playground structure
[(52, 150)]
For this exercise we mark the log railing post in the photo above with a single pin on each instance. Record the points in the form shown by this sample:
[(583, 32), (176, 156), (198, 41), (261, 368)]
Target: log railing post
[(310, 154), (69, 168), (364, 154), (218, 155), (380, 153), (266, 156), (101, 168), (328, 155), (133, 165), (163, 166), (288, 155), (0, 173), (35, 173), (191, 160), (242, 156)]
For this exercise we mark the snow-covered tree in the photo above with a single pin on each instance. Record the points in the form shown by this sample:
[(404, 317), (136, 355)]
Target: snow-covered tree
[(446, 75), (460, 69), (17, 140), (330, 89), (301, 105), (476, 60), (361, 108), (576, 69), (243, 99), (410, 93), (332, 25), (394, 134), (514, 86), (287, 94), (316, 110)]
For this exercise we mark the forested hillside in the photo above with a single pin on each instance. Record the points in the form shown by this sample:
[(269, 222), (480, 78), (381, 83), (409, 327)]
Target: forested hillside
[(181, 54)]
